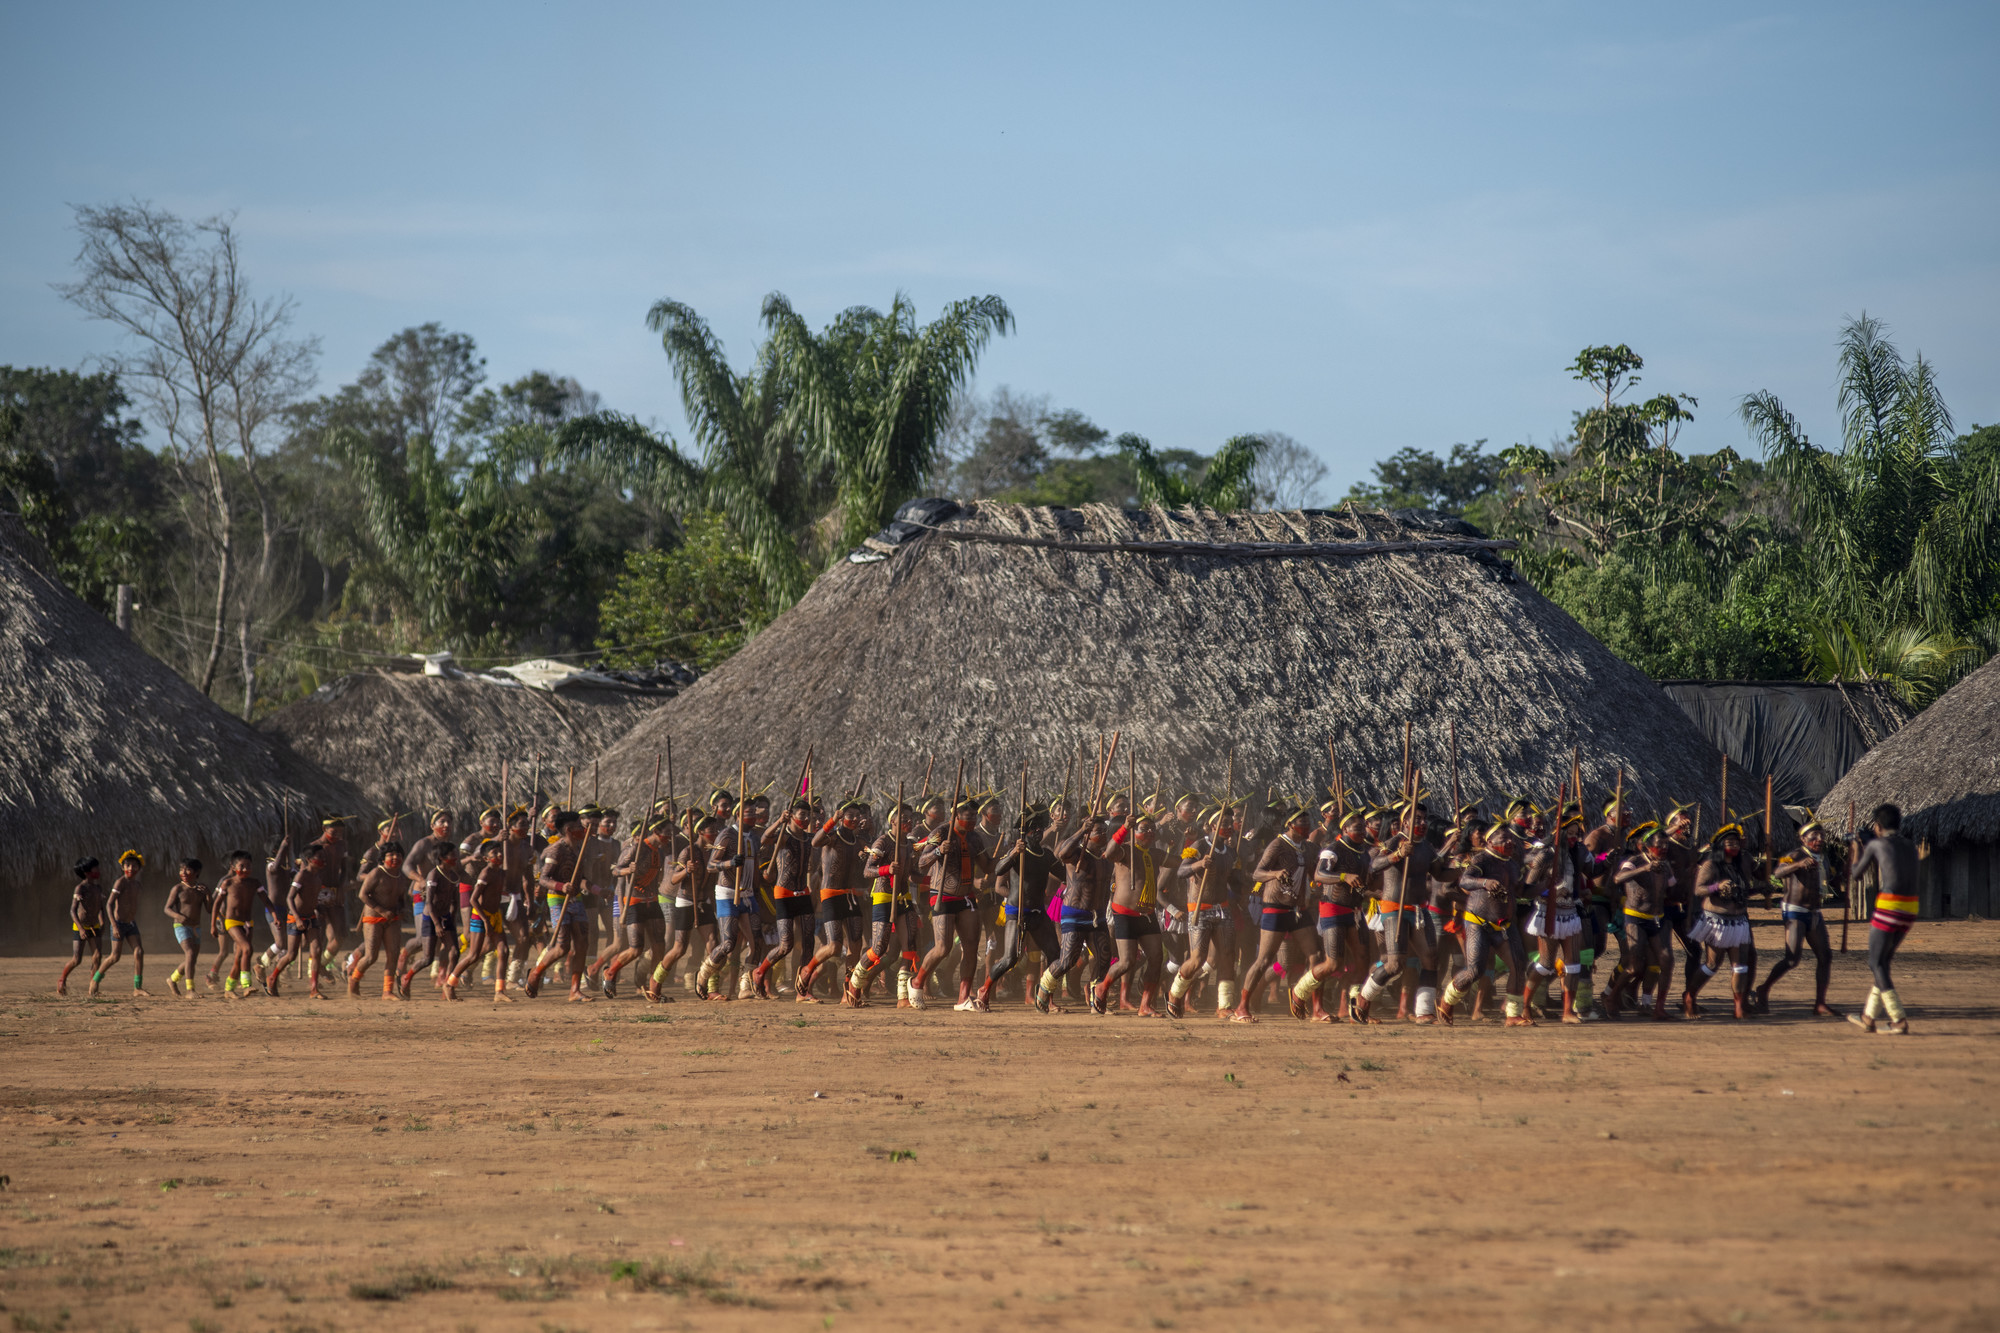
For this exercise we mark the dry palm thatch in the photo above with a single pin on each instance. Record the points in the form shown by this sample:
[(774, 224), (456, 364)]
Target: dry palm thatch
[(961, 647), (1942, 770), (106, 748), (413, 743)]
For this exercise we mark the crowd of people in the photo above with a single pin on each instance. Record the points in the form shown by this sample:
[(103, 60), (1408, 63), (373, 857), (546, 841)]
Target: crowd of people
[(1349, 911)]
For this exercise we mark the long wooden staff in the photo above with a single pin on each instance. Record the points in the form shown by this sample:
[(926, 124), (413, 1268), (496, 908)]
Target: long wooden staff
[(1575, 782), (742, 800), (651, 802), (1228, 800), (1770, 859), (899, 886), (593, 782), (1110, 758), (1454, 771), (506, 823), (1847, 898), (805, 775)]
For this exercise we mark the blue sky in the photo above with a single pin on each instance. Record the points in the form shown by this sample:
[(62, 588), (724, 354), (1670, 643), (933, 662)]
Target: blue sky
[(1369, 226)]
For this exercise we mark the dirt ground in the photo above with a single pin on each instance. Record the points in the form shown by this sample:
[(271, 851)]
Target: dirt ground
[(294, 1165)]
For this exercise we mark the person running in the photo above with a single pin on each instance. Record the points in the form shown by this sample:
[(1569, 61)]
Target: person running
[(1135, 931), (790, 858), (437, 928), (301, 922), (517, 894), (1085, 890), (1604, 849), (485, 933), (687, 879), (1556, 870), (273, 893), (1644, 879), (1208, 873), (1405, 870), (86, 922), (1807, 879), (1340, 877), (187, 905), (733, 863), (1893, 859), (384, 897), (1284, 876), (1685, 862), (1035, 869), (841, 848), (889, 867), (642, 870), (560, 873), (1485, 887), (1722, 887), (122, 912), (954, 861), (469, 861), (236, 905)]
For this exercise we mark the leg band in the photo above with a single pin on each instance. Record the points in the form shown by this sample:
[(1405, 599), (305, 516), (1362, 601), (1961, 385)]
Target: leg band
[(1894, 1004)]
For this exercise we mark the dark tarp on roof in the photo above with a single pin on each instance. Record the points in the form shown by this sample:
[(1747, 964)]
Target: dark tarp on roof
[(1806, 736)]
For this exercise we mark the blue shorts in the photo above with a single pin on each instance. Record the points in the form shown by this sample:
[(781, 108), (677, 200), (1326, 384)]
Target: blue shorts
[(185, 934), (1078, 918), (127, 930)]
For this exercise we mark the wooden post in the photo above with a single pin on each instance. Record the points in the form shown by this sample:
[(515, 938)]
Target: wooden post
[(1847, 899)]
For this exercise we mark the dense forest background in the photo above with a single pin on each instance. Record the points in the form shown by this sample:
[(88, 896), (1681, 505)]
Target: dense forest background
[(278, 537)]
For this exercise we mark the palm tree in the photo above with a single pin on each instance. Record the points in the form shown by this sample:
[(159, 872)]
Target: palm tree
[(447, 543), (1913, 662), (1225, 484), (872, 394), (1903, 522), (752, 470)]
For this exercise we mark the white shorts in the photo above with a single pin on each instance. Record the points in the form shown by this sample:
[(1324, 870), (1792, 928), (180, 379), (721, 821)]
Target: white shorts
[(1568, 924), (1721, 932)]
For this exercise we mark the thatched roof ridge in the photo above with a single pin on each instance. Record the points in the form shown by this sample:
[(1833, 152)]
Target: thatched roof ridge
[(996, 653), (106, 748), (411, 742), (1942, 769)]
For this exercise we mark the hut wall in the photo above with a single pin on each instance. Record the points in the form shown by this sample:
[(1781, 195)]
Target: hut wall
[(1963, 874)]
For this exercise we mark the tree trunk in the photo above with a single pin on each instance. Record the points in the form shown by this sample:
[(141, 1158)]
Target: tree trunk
[(125, 607), (249, 668), (225, 574)]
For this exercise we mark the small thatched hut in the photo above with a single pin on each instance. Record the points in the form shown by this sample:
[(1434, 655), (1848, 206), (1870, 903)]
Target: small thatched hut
[(1011, 633), (412, 742), (1805, 734), (106, 748), (1943, 771)]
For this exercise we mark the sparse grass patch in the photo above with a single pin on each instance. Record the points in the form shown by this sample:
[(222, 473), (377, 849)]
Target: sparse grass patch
[(411, 1283)]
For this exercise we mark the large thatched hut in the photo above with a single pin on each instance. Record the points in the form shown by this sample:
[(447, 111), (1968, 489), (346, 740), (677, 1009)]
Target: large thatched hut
[(1007, 633), (106, 748), (411, 742), (1943, 770)]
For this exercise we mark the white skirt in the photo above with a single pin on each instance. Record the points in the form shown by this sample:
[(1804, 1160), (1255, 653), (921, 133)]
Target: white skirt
[(1720, 932), (1568, 924)]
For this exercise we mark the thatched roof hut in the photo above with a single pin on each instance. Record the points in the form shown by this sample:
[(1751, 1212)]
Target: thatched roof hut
[(411, 742), (1805, 734), (1943, 771), (106, 748), (1010, 632)]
